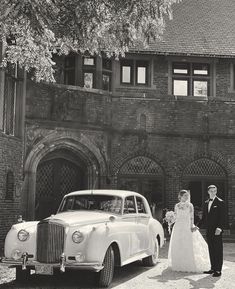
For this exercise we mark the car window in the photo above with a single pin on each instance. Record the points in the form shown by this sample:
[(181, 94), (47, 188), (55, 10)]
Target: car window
[(129, 205), (106, 203), (140, 205)]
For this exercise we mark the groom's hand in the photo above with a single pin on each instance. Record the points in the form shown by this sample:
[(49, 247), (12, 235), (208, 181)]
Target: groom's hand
[(218, 231)]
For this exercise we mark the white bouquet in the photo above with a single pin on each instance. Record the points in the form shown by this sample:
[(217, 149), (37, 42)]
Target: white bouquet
[(170, 218)]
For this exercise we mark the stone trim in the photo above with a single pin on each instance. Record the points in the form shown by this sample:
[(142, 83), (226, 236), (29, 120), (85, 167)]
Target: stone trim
[(79, 145)]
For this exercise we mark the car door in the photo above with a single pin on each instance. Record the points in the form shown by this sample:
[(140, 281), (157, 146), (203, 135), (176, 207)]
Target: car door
[(129, 228), (143, 219)]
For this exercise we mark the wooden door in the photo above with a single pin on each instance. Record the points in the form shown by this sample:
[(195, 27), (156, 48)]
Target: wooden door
[(55, 178)]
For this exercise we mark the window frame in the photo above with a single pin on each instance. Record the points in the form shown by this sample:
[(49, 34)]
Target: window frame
[(10, 98), (83, 78), (106, 60), (232, 77), (68, 69), (10, 185), (127, 63), (124, 204), (86, 68), (141, 63), (202, 80), (88, 65), (144, 205), (109, 74), (134, 64), (191, 77), (200, 63), (181, 64), (107, 70), (173, 79)]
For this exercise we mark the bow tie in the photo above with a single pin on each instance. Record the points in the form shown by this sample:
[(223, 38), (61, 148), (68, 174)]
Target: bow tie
[(210, 200)]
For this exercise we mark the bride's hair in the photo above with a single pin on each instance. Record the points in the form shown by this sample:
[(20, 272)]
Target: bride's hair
[(182, 192)]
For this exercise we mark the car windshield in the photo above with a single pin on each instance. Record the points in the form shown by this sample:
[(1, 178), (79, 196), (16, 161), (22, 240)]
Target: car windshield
[(111, 204)]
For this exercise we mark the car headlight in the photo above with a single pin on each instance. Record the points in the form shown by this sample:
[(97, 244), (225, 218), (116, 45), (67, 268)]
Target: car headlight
[(77, 237), (23, 235)]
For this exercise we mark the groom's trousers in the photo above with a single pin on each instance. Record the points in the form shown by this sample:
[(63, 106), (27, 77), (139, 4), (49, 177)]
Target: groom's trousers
[(215, 245)]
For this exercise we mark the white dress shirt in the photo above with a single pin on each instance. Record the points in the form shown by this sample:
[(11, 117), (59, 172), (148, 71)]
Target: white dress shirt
[(210, 204)]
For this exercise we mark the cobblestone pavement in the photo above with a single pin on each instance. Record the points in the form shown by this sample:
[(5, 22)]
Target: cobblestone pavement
[(133, 276)]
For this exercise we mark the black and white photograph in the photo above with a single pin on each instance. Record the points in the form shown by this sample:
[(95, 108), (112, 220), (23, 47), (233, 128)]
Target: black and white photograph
[(117, 144)]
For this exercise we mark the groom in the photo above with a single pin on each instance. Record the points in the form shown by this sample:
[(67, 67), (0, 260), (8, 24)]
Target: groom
[(214, 218)]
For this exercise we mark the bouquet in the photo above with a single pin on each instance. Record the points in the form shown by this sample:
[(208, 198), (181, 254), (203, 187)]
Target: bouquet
[(170, 218)]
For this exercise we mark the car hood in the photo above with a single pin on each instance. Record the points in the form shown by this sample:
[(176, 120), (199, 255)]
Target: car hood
[(80, 217)]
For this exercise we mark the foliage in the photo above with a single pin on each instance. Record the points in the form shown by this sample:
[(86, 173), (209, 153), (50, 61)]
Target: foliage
[(36, 29)]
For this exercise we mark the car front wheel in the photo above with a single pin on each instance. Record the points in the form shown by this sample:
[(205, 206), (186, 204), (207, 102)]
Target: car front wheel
[(106, 274), (152, 259)]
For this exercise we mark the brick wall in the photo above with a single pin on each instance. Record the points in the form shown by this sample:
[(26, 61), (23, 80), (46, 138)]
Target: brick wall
[(223, 79), (178, 131), (58, 103), (11, 159)]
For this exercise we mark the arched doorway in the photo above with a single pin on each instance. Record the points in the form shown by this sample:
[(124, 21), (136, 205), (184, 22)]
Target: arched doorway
[(75, 147), (143, 175), (201, 173), (58, 173)]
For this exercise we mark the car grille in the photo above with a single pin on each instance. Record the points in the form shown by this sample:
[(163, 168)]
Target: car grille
[(50, 242)]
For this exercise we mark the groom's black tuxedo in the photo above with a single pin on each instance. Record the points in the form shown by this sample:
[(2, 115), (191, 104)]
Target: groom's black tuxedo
[(212, 219)]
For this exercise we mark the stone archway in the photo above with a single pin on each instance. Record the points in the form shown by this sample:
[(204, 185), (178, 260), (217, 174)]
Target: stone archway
[(199, 174), (80, 147), (142, 174)]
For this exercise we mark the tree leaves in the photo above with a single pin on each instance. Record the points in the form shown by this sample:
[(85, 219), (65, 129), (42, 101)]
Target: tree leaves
[(43, 27)]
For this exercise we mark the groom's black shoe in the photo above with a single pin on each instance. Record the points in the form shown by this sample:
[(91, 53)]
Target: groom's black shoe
[(209, 272), (216, 274)]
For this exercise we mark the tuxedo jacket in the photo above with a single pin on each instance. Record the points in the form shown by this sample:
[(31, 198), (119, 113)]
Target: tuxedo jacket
[(215, 218)]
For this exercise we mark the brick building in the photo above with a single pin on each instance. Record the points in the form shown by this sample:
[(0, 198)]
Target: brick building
[(161, 119), (12, 90)]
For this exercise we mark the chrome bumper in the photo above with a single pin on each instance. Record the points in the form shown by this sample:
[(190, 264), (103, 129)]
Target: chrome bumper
[(96, 267)]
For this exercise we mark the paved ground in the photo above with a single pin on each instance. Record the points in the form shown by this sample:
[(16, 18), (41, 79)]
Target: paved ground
[(134, 276)]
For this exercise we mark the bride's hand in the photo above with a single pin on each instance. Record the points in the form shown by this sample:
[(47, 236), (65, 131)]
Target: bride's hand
[(193, 229)]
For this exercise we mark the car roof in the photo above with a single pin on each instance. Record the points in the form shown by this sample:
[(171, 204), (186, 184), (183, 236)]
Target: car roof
[(121, 193)]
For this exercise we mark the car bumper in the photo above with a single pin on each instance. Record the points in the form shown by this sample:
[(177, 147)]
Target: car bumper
[(96, 267)]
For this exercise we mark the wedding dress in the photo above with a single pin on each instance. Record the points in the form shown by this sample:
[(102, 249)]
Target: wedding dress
[(188, 251)]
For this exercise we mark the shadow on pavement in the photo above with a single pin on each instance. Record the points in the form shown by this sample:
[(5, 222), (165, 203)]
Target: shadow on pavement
[(230, 257), (77, 279), (168, 275), (207, 282)]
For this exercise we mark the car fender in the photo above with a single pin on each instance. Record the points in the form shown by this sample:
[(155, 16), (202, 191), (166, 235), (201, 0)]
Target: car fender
[(97, 239), (155, 230), (103, 236), (13, 243)]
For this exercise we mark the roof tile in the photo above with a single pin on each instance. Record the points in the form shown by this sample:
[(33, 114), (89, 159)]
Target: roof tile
[(198, 27)]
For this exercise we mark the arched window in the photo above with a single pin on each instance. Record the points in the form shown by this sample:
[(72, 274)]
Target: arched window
[(201, 173), (10, 185), (143, 175), (143, 121)]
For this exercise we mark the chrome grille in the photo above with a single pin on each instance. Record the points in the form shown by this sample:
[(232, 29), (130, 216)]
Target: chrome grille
[(50, 242)]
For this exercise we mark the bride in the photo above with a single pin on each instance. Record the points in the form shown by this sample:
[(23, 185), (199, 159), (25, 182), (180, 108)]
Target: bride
[(188, 251)]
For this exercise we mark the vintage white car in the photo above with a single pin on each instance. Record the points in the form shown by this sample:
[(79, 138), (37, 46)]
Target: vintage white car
[(93, 230)]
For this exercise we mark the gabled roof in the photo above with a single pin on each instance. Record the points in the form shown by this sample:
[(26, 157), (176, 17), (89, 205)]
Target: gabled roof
[(198, 27)]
